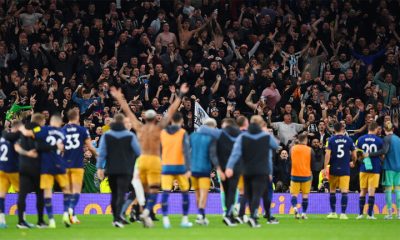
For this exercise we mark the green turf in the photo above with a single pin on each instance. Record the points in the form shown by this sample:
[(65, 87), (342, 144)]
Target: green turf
[(316, 227)]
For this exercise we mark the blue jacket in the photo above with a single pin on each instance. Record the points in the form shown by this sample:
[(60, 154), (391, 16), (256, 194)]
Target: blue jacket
[(118, 150), (391, 150), (204, 152)]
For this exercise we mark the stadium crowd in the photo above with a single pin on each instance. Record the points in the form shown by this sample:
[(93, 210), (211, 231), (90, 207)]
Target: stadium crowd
[(301, 65)]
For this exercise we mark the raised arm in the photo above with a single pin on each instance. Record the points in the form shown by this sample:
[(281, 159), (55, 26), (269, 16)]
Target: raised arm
[(119, 96), (174, 106)]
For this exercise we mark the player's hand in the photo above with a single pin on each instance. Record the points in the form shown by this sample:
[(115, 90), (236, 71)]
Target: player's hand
[(270, 178), (100, 174), (221, 175), (228, 172), (365, 155), (116, 93), (188, 174), (352, 164), (184, 88), (60, 146), (32, 153)]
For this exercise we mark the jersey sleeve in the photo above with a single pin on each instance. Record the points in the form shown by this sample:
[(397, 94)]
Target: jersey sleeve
[(39, 132), (352, 145), (328, 144)]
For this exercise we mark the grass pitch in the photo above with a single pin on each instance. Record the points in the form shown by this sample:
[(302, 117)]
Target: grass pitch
[(316, 227)]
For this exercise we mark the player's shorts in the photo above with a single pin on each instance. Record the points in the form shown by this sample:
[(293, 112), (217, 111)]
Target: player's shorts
[(341, 182), (201, 183), (167, 182), (47, 180), (149, 170), (391, 178), (75, 176), (369, 180), (7, 180), (296, 187), (241, 183)]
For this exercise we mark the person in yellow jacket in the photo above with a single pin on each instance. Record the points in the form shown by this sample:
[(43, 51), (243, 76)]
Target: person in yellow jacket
[(105, 186)]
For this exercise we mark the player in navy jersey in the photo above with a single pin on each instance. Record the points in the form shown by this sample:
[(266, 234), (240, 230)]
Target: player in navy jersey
[(370, 169), (76, 138), (8, 171), (340, 152), (52, 165)]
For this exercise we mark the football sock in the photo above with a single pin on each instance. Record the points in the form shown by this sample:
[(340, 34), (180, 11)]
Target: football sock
[(397, 192), (202, 212), (388, 198), (304, 204), (293, 201), (344, 201), (49, 207), (67, 202), (2, 205), (332, 201), (371, 202), (125, 207), (361, 203), (76, 197), (151, 200), (164, 203), (224, 208), (185, 203), (242, 202)]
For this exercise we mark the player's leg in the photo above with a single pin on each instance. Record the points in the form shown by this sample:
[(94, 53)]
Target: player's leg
[(76, 181), (388, 183), (294, 192), (154, 180), (63, 182), (333, 184), (344, 182), (373, 183), (166, 187), (47, 183), (183, 182), (242, 199), (305, 190), (397, 192), (230, 187), (4, 186), (123, 182), (363, 193), (258, 187), (204, 187), (39, 201)]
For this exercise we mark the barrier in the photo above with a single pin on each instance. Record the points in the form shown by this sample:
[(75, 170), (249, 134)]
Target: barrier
[(100, 204)]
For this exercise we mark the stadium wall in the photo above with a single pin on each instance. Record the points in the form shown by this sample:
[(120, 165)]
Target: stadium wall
[(100, 204)]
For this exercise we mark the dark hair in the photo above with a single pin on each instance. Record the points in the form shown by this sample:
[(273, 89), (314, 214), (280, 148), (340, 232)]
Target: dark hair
[(177, 117), (337, 127)]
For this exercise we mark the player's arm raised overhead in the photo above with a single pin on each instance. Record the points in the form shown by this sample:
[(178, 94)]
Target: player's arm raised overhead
[(174, 106), (119, 96)]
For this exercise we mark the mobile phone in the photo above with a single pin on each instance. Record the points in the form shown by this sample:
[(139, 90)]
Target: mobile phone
[(145, 81)]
